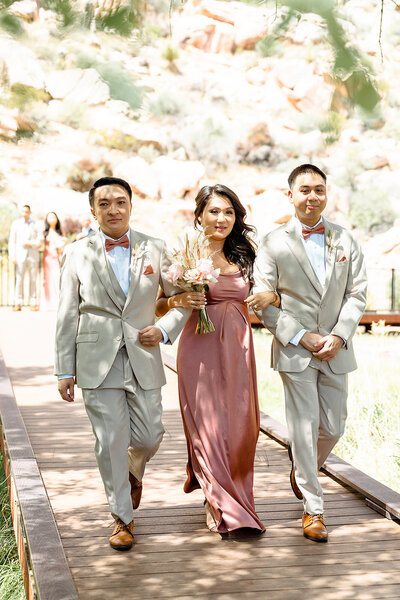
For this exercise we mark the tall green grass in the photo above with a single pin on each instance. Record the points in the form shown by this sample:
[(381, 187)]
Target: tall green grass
[(372, 438), (11, 585)]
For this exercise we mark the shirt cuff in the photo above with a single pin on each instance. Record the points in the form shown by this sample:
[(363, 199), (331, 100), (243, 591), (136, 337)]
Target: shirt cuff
[(65, 377), (164, 334), (296, 339)]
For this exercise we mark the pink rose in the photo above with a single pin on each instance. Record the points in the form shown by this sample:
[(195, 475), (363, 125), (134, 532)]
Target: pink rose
[(174, 272)]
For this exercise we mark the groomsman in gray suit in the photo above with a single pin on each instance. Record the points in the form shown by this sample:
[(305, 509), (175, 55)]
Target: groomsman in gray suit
[(106, 340), (318, 270), (23, 251)]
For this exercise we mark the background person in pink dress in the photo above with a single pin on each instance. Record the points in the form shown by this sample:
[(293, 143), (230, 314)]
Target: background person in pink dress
[(54, 244), (217, 372)]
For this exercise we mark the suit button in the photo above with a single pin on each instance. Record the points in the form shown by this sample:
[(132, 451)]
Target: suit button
[(118, 338)]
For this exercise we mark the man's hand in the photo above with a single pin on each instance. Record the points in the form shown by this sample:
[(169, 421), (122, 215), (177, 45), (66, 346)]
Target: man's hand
[(312, 342), (66, 389), (150, 336), (331, 344)]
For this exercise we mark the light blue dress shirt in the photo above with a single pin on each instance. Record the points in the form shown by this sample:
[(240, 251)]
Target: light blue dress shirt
[(315, 250)]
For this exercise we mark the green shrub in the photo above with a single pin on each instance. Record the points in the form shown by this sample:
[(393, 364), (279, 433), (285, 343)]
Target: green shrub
[(209, 140), (11, 24), (65, 10), (120, 20), (165, 104), (269, 46), (73, 114), (113, 138), (22, 96), (330, 125), (8, 213), (11, 583), (371, 210), (170, 53), (121, 84), (118, 79)]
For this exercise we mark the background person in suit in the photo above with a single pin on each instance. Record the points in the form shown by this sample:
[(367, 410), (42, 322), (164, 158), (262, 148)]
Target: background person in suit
[(318, 270), (107, 340), (23, 251)]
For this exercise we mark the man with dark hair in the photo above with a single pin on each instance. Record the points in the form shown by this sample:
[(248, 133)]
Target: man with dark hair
[(23, 251), (107, 340), (318, 270)]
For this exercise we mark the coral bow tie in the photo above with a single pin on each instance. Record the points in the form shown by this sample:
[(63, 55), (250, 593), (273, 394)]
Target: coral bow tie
[(110, 244), (306, 232)]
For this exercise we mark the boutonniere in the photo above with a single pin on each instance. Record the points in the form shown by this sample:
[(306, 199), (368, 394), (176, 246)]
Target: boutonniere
[(330, 243), (137, 252)]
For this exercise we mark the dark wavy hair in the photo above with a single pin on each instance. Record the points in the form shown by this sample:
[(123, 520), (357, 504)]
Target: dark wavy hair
[(239, 248), (47, 226)]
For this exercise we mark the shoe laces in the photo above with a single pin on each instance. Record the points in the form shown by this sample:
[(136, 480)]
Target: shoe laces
[(314, 518), (121, 526)]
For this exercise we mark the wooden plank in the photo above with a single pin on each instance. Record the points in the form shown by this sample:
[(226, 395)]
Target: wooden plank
[(386, 592)]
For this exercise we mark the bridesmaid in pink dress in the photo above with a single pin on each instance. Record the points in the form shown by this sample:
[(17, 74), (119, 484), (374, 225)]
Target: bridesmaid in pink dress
[(217, 371), (54, 244)]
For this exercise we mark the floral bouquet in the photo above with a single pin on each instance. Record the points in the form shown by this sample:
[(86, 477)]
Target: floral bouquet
[(192, 269)]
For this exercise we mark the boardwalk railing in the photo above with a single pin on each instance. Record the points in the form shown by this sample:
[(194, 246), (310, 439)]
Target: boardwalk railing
[(45, 572), (385, 280)]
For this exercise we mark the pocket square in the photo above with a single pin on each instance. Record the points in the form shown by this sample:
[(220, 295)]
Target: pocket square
[(148, 270), (341, 258)]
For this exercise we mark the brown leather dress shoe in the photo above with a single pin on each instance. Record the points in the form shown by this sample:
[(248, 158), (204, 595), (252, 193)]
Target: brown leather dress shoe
[(314, 528), (34, 307), (17, 307), (136, 490), (293, 483), (122, 536)]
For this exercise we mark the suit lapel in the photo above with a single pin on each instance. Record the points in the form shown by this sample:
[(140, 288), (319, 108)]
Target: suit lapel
[(297, 248), (138, 251), (330, 248), (99, 262)]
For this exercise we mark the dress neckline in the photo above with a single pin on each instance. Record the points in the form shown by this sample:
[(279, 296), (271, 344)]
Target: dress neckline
[(233, 273)]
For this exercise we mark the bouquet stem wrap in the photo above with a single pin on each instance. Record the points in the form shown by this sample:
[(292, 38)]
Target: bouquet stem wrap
[(204, 324)]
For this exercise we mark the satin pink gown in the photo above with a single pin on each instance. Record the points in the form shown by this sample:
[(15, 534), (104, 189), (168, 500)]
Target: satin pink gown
[(51, 277), (219, 404)]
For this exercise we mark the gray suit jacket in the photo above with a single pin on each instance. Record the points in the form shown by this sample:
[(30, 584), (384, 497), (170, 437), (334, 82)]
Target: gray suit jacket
[(94, 315), (282, 265)]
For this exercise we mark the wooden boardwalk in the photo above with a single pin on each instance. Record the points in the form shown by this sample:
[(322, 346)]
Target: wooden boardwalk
[(174, 555)]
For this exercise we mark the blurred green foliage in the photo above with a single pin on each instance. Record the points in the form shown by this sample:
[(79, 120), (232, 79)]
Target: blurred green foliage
[(10, 23), (350, 67), (22, 95), (8, 213), (66, 10), (165, 104), (371, 210), (118, 79), (117, 18)]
